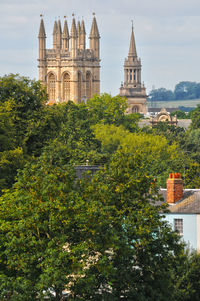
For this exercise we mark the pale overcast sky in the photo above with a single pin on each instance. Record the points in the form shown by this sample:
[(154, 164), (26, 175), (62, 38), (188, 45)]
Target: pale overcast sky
[(167, 34)]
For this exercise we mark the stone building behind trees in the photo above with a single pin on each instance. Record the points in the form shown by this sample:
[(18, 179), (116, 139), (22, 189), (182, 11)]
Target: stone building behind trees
[(70, 70), (132, 88)]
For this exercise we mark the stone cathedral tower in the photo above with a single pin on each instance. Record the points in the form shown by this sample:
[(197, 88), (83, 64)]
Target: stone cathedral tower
[(69, 70), (132, 88)]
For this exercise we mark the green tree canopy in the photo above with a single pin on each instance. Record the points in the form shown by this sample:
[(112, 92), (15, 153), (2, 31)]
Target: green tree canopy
[(195, 117), (161, 156), (21, 103), (161, 94), (99, 239), (180, 114)]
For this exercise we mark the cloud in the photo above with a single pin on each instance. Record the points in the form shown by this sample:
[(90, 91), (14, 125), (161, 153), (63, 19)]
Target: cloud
[(167, 36)]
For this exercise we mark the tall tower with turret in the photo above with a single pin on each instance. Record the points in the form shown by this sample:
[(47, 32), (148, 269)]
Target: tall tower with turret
[(69, 70), (132, 88)]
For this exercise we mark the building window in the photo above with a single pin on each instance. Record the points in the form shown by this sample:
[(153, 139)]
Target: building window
[(52, 87), (178, 225), (131, 75), (66, 87), (135, 109), (88, 85)]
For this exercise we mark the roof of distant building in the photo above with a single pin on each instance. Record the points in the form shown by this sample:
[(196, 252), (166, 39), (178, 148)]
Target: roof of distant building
[(189, 204), (157, 110), (83, 169), (183, 123)]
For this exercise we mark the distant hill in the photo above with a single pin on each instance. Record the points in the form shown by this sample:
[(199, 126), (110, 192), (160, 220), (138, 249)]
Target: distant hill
[(184, 105), (183, 91)]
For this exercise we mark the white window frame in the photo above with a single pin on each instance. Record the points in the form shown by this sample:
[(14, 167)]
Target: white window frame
[(178, 225)]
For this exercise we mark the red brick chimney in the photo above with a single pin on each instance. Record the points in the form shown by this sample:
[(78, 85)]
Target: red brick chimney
[(174, 188)]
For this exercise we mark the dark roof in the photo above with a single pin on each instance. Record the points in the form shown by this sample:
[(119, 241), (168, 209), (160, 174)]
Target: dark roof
[(157, 110), (183, 123), (190, 203), (82, 169)]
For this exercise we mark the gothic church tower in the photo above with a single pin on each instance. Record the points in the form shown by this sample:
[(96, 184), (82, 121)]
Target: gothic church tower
[(69, 70), (132, 88)]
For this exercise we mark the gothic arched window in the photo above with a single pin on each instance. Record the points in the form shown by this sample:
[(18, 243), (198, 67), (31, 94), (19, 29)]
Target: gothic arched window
[(66, 87), (135, 109), (79, 86), (51, 87), (88, 85)]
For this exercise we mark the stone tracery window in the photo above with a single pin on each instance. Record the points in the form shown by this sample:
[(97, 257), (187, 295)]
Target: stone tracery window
[(66, 87), (51, 87), (88, 85)]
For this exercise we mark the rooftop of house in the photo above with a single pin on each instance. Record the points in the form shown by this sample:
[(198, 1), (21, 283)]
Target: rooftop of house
[(189, 204)]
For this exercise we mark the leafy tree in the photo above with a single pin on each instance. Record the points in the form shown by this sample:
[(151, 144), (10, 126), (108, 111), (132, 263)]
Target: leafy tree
[(187, 90), (161, 94), (107, 108), (191, 145), (7, 129), (183, 90), (21, 103), (163, 156), (187, 278), (41, 226), (192, 175), (134, 239), (130, 122), (170, 132), (10, 162), (179, 114), (195, 117), (25, 98), (100, 239)]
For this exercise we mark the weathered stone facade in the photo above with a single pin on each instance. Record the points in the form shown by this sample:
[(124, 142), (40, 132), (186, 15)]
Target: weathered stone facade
[(132, 88), (163, 116), (69, 70)]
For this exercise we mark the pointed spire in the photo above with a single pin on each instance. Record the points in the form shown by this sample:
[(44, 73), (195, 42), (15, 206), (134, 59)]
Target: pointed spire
[(94, 38), (94, 33), (79, 33), (83, 27), (82, 36), (55, 28), (55, 31), (73, 39), (78, 27), (132, 48), (42, 33), (65, 36), (59, 27), (59, 35), (42, 48), (65, 30), (73, 29)]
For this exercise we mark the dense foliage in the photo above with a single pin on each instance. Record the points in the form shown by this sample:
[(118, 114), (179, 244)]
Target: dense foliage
[(99, 237), (183, 90)]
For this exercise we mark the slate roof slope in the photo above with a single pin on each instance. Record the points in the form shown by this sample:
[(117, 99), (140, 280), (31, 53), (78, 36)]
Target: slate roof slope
[(190, 203)]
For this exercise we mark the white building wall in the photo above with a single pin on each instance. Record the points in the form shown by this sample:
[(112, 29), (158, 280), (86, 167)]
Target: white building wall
[(191, 228)]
